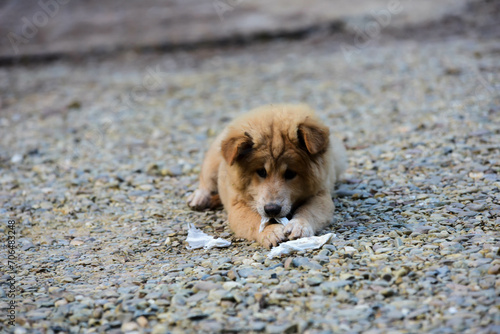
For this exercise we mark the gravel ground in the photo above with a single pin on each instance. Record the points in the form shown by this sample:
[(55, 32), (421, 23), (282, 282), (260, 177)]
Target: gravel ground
[(97, 158)]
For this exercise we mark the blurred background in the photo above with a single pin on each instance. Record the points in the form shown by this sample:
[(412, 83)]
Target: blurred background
[(107, 108), (49, 27)]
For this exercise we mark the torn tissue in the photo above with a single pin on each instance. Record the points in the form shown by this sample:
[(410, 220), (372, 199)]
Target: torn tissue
[(301, 244)]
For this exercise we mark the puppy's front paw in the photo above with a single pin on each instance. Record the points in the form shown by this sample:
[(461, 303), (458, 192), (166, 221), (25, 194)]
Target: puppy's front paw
[(272, 235), (199, 200), (298, 228)]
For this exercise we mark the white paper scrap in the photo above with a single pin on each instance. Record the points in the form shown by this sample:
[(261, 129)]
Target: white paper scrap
[(265, 221), (301, 244), (197, 239)]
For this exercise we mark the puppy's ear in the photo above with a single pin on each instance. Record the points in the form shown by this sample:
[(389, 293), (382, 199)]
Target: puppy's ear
[(235, 148), (314, 137)]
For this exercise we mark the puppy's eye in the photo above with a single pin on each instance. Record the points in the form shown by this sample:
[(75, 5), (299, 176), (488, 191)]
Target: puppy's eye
[(262, 173), (290, 174)]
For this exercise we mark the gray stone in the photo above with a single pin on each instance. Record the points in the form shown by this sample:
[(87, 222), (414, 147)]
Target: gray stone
[(305, 263), (314, 280)]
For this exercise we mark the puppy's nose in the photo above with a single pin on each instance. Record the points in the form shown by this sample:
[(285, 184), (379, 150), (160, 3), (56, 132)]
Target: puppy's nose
[(272, 209)]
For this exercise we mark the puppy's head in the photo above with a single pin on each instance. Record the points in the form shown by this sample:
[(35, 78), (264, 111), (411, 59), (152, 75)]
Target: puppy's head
[(275, 159)]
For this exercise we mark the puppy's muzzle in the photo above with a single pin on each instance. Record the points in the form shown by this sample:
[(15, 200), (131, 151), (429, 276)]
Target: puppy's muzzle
[(272, 209)]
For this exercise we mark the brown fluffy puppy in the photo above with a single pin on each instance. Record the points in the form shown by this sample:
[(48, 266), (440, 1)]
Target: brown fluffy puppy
[(275, 161)]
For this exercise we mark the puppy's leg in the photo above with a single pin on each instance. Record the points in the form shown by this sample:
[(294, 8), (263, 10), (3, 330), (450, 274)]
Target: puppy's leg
[(206, 195), (312, 216), (245, 223)]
